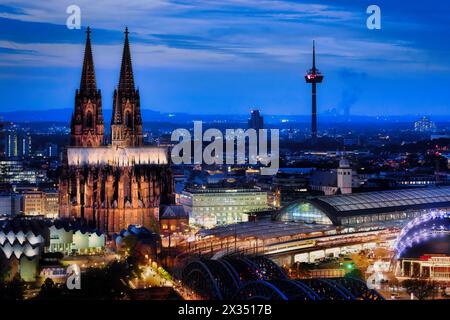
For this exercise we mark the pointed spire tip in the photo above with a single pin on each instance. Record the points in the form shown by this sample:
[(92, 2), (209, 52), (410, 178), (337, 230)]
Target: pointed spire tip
[(88, 83)]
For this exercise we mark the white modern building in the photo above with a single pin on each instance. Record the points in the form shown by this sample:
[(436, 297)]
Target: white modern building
[(211, 207), (74, 241), (24, 239)]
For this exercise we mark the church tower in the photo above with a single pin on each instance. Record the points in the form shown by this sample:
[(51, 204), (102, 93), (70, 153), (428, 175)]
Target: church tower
[(126, 122), (344, 177), (87, 127)]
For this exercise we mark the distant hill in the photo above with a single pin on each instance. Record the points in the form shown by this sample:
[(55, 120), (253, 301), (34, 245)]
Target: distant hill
[(64, 115), (148, 115), (53, 115), (59, 115)]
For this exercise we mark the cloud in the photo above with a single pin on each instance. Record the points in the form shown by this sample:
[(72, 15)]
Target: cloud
[(105, 13), (229, 34)]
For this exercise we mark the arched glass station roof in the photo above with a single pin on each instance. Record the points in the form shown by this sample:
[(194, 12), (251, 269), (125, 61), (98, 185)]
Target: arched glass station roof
[(387, 199), (332, 209), (304, 212)]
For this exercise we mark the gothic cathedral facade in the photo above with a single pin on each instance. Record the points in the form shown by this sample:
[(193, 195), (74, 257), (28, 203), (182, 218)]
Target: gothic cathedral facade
[(127, 182)]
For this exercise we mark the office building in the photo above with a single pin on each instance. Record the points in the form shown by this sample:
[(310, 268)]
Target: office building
[(211, 207)]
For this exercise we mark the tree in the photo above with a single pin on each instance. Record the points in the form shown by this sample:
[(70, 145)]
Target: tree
[(49, 290), (129, 244), (421, 288), (12, 290), (301, 269), (360, 260), (380, 252), (355, 273), (393, 281), (154, 225), (5, 267), (107, 283)]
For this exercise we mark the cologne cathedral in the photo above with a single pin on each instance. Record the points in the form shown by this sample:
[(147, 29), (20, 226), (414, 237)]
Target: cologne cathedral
[(109, 186)]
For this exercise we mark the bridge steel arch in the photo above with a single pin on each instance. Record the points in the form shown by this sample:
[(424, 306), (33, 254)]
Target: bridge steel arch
[(325, 290), (267, 269), (250, 278), (210, 279), (358, 288), (259, 290)]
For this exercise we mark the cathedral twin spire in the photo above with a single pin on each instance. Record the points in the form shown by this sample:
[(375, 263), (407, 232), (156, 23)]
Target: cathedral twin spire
[(87, 128), (88, 83), (126, 81), (126, 122)]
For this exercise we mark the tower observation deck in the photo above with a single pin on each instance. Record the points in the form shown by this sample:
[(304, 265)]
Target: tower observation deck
[(314, 76)]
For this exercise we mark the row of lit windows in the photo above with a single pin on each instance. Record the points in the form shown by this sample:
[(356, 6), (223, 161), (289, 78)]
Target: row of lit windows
[(211, 221), (228, 199), (380, 217), (240, 208), (418, 182)]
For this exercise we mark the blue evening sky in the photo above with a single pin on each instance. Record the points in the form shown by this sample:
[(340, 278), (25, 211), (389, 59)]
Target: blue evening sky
[(228, 56)]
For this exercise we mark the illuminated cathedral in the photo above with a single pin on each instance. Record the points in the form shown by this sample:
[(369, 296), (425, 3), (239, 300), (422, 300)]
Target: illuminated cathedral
[(110, 186)]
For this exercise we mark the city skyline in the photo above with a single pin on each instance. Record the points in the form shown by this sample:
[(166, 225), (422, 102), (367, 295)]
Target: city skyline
[(193, 57), (233, 151)]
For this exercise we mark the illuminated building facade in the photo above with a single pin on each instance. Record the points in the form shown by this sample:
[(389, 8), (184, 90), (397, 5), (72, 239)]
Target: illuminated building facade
[(70, 240), (44, 203), (11, 145), (211, 207), (15, 172), (434, 267), (424, 125), (110, 187), (173, 219), (17, 144), (24, 239)]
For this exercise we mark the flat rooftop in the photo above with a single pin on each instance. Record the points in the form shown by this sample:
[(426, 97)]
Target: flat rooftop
[(264, 229), (223, 190), (269, 229), (383, 201)]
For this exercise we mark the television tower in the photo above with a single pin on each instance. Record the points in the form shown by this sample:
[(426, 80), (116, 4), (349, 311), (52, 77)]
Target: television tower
[(314, 76)]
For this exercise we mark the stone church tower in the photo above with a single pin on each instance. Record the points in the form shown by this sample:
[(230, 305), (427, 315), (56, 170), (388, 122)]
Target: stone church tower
[(87, 127), (344, 177), (126, 121)]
